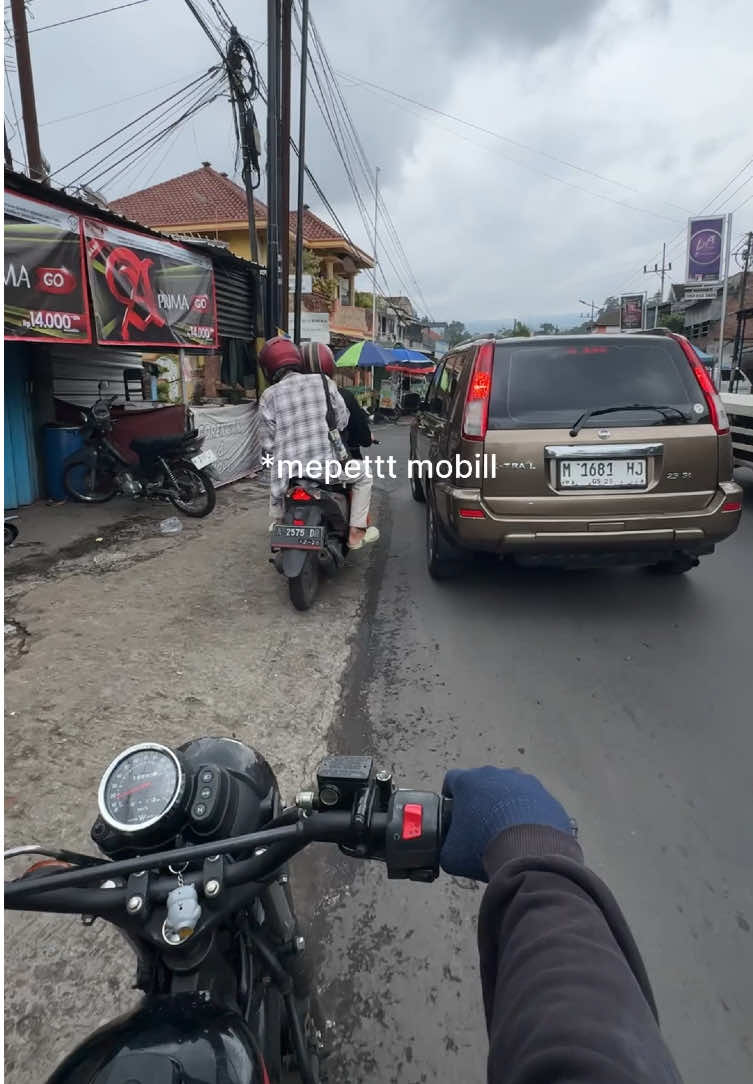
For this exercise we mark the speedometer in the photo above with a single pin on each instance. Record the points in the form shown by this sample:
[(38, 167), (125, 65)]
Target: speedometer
[(141, 786)]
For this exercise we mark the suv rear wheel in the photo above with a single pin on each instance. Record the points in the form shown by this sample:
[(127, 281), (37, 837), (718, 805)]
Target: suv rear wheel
[(443, 560), (417, 490)]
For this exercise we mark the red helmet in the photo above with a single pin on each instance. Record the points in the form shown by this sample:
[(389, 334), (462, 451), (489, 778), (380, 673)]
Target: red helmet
[(279, 354), (318, 358)]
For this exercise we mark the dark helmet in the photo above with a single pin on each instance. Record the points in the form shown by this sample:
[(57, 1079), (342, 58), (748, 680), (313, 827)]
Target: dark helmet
[(318, 358), (280, 355)]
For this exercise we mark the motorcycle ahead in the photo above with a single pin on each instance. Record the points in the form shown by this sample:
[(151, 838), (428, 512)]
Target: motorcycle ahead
[(196, 879), (168, 467), (312, 537)]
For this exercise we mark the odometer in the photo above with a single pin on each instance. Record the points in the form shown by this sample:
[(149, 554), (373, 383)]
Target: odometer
[(140, 787)]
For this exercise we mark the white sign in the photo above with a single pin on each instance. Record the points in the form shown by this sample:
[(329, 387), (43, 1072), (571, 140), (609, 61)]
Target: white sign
[(314, 327), (700, 293), (232, 433), (307, 284)]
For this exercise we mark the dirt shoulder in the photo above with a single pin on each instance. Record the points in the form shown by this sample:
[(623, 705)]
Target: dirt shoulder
[(145, 636)]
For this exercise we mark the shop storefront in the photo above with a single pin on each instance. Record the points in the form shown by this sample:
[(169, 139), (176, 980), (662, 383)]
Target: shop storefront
[(95, 304)]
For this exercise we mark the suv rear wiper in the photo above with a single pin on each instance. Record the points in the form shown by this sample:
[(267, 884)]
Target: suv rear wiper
[(667, 411)]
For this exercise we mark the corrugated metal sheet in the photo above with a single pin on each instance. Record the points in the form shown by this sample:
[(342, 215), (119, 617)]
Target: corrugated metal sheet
[(236, 302), (77, 371)]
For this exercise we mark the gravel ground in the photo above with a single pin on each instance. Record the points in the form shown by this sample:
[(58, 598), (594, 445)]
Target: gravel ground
[(143, 636)]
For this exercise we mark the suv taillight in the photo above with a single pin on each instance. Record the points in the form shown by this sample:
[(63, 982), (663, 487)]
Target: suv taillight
[(476, 412), (719, 418)]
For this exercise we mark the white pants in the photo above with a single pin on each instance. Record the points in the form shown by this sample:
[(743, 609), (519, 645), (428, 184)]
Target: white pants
[(360, 482)]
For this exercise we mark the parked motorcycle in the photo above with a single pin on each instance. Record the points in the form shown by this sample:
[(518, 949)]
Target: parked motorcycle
[(197, 842), (169, 467), (11, 531)]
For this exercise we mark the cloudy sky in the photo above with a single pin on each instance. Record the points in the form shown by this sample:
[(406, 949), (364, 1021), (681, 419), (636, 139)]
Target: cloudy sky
[(592, 129)]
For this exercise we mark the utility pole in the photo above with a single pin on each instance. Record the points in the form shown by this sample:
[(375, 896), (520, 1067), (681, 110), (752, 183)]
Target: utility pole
[(589, 305), (661, 271), (723, 315), (246, 131), (737, 355), (301, 172), (37, 170), (374, 296), (272, 308), (284, 150)]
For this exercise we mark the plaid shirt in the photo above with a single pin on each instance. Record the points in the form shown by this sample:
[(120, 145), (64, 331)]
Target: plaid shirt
[(294, 423)]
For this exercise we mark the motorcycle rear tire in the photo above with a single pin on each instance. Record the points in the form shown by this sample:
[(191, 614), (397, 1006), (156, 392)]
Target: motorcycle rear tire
[(303, 587), (73, 472), (186, 469)]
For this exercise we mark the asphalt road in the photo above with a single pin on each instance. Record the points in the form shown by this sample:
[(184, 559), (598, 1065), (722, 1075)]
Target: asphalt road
[(630, 696)]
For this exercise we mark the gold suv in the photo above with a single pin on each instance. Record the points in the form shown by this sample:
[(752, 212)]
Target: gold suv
[(582, 449)]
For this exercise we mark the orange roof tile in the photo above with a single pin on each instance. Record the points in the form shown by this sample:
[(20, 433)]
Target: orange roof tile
[(204, 196)]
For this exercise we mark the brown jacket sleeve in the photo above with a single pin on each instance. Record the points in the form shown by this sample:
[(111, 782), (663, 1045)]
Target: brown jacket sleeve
[(566, 994)]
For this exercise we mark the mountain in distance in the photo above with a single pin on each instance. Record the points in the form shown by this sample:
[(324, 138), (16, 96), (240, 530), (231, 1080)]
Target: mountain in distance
[(533, 320)]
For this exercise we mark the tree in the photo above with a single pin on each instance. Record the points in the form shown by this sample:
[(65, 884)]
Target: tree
[(456, 332), (674, 321), (519, 330)]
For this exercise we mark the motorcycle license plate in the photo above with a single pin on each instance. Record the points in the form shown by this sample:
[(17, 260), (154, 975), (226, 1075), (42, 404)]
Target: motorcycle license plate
[(203, 459), (286, 537)]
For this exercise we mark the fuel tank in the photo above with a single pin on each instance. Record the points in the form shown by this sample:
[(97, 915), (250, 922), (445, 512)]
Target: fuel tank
[(175, 1040)]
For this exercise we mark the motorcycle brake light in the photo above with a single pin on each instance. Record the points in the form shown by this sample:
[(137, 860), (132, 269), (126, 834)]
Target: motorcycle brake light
[(300, 494), (299, 523)]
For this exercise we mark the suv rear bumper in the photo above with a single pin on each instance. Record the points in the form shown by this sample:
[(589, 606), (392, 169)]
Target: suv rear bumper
[(695, 531)]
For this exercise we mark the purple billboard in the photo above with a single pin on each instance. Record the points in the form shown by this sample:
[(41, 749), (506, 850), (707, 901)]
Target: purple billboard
[(705, 249)]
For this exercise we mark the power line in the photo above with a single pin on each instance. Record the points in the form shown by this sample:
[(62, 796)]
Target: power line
[(16, 121), (91, 15), (130, 124), (682, 232), (108, 105), (357, 81), (208, 95), (744, 202), (734, 192), (368, 171), (347, 142)]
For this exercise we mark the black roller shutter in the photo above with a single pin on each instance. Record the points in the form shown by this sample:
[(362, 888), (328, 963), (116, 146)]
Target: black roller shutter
[(236, 302)]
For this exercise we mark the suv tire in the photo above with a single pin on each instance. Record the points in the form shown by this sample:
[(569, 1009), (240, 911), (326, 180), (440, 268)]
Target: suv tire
[(417, 490), (675, 566), (443, 560)]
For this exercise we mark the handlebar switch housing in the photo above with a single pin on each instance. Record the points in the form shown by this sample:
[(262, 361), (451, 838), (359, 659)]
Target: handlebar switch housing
[(413, 838)]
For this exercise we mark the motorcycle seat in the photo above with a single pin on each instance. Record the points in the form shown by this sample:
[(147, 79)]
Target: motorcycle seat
[(157, 445)]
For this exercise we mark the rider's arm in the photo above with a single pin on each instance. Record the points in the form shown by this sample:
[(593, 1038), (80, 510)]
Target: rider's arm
[(565, 991), (267, 422)]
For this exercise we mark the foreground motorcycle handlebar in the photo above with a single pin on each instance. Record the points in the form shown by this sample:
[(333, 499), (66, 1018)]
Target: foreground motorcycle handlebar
[(403, 828)]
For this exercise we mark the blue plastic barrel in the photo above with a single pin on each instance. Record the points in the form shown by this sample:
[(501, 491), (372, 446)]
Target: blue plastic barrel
[(58, 442)]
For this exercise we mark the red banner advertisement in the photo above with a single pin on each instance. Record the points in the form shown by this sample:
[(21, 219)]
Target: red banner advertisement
[(147, 291), (45, 278)]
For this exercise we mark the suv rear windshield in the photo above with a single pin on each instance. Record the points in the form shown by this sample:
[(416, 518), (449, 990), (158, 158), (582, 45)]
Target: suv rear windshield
[(548, 385)]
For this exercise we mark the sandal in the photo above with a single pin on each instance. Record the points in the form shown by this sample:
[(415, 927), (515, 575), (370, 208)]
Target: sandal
[(371, 535)]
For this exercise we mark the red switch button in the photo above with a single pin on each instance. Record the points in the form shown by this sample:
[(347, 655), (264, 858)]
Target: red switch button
[(413, 815)]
